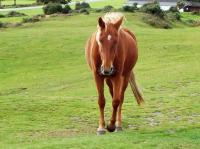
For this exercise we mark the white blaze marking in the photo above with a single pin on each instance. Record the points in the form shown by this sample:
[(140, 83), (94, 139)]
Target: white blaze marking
[(109, 37)]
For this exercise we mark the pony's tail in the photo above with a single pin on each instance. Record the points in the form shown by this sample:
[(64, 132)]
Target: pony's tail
[(135, 89)]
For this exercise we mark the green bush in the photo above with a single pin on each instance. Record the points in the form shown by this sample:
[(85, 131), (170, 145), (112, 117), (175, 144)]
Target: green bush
[(53, 1), (3, 25), (153, 8), (108, 8), (128, 8), (174, 16), (177, 16), (79, 6), (98, 10), (181, 3), (196, 12), (84, 11), (173, 9), (66, 9), (2, 16), (15, 14), (31, 20), (192, 23), (52, 8), (156, 21), (135, 5), (85, 5), (16, 24)]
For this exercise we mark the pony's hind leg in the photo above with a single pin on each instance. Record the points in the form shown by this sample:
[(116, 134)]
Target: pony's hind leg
[(119, 115), (117, 86), (109, 83), (101, 101)]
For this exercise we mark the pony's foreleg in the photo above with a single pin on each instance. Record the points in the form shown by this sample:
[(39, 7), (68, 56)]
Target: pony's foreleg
[(101, 101), (117, 87)]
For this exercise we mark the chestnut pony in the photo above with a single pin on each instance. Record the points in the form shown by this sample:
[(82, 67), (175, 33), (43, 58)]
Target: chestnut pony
[(111, 53)]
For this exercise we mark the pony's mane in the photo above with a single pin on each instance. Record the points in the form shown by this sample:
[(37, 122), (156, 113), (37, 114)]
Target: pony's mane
[(112, 17)]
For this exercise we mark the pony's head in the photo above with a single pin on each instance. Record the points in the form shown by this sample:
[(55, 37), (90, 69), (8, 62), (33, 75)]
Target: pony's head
[(107, 39)]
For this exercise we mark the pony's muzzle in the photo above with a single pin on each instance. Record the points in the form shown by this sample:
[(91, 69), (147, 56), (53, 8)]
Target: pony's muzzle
[(107, 72)]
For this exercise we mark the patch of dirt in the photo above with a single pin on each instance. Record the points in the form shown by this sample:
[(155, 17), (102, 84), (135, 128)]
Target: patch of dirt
[(152, 122), (13, 91), (62, 133)]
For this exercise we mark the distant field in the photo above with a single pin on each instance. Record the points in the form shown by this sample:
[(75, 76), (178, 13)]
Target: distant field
[(116, 3), (48, 98), (11, 2)]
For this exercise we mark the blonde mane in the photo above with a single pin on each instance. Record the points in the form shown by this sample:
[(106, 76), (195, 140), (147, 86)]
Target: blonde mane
[(109, 18), (112, 17)]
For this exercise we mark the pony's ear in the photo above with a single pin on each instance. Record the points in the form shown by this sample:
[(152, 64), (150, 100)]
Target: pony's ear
[(101, 23), (118, 23)]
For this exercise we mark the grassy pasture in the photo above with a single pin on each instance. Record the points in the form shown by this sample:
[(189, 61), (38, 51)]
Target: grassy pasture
[(48, 97), (117, 3), (11, 2)]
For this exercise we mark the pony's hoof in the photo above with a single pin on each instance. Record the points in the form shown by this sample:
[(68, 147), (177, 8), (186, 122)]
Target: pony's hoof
[(111, 128), (118, 129), (101, 131)]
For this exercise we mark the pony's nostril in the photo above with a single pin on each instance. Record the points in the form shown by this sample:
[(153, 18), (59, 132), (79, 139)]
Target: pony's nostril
[(102, 69), (111, 69)]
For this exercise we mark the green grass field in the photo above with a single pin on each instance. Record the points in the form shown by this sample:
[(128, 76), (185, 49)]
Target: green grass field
[(48, 98), (11, 2), (117, 3)]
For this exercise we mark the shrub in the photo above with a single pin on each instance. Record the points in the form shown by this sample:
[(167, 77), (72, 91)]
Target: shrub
[(52, 8), (79, 6), (177, 15), (173, 9), (2, 16), (135, 5), (54, 1), (128, 8), (157, 22), (3, 25), (85, 5), (108, 8), (40, 16), (192, 23), (15, 14), (17, 24), (153, 8), (31, 20), (98, 10), (174, 16), (181, 3), (84, 11), (196, 12), (66, 9)]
